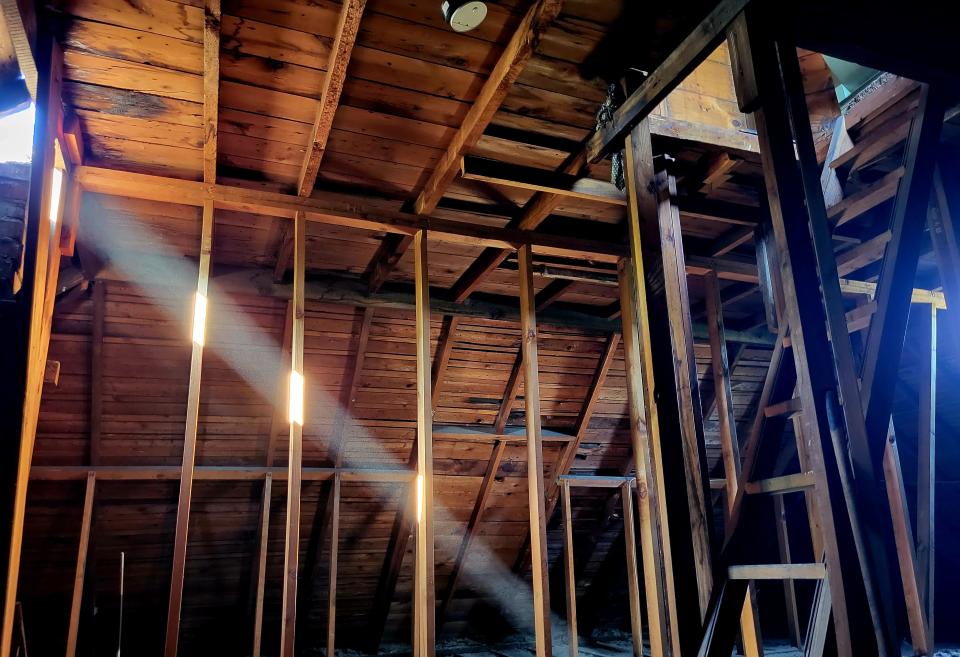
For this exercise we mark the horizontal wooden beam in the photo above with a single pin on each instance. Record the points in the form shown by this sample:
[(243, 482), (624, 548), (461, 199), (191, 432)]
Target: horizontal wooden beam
[(780, 485), (596, 481), (345, 210), (541, 180), (778, 571), (213, 473)]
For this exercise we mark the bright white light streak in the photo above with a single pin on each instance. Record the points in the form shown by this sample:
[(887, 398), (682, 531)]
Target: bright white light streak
[(56, 184), (199, 319), (419, 498), (296, 398)]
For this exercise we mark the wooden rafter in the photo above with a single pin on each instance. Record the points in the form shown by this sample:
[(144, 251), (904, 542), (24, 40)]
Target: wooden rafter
[(211, 87), (508, 68), (263, 547), (509, 394), (348, 26)]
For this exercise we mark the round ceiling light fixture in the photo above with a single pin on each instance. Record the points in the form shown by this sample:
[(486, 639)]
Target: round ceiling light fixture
[(463, 15)]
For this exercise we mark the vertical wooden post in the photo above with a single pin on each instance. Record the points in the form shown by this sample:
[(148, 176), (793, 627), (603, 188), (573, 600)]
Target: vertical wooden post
[(74, 626), (295, 462), (568, 569), (535, 485), (633, 582), (424, 588), (189, 435), (729, 443), (262, 563), (332, 576), (21, 329), (926, 473), (655, 547), (789, 590)]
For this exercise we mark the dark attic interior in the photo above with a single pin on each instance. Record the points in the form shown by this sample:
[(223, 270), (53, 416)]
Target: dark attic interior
[(516, 328)]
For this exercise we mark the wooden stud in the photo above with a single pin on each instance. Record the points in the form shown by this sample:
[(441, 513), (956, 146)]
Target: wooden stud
[(535, 486), (926, 470), (216, 473), (262, 551), (80, 573), (569, 574), (189, 438), (332, 574), (633, 581), (644, 417), (295, 460), (550, 294), (424, 587)]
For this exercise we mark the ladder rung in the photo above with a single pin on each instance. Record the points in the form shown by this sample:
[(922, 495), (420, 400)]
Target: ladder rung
[(778, 571), (789, 408), (790, 483)]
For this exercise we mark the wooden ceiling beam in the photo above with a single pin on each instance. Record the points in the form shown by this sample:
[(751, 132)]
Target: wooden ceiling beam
[(211, 87), (508, 68), (348, 25), (347, 210)]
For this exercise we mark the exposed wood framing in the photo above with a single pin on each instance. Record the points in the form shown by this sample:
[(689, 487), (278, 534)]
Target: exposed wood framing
[(508, 68), (445, 344), (295, 459), (633, 579), (804, 267), (262, 550), (215, 473), (332, 571), (189, 437), (684, 375), (509, 394), (550, 294), (348, 25), (78, 579), (655, 547), (19, 27), (424, 586), (729, 444), (535, 486), (279, 418), (26, 327), (926, 468), (339, 210), (479, 506), (211, 87), (570, 577)]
